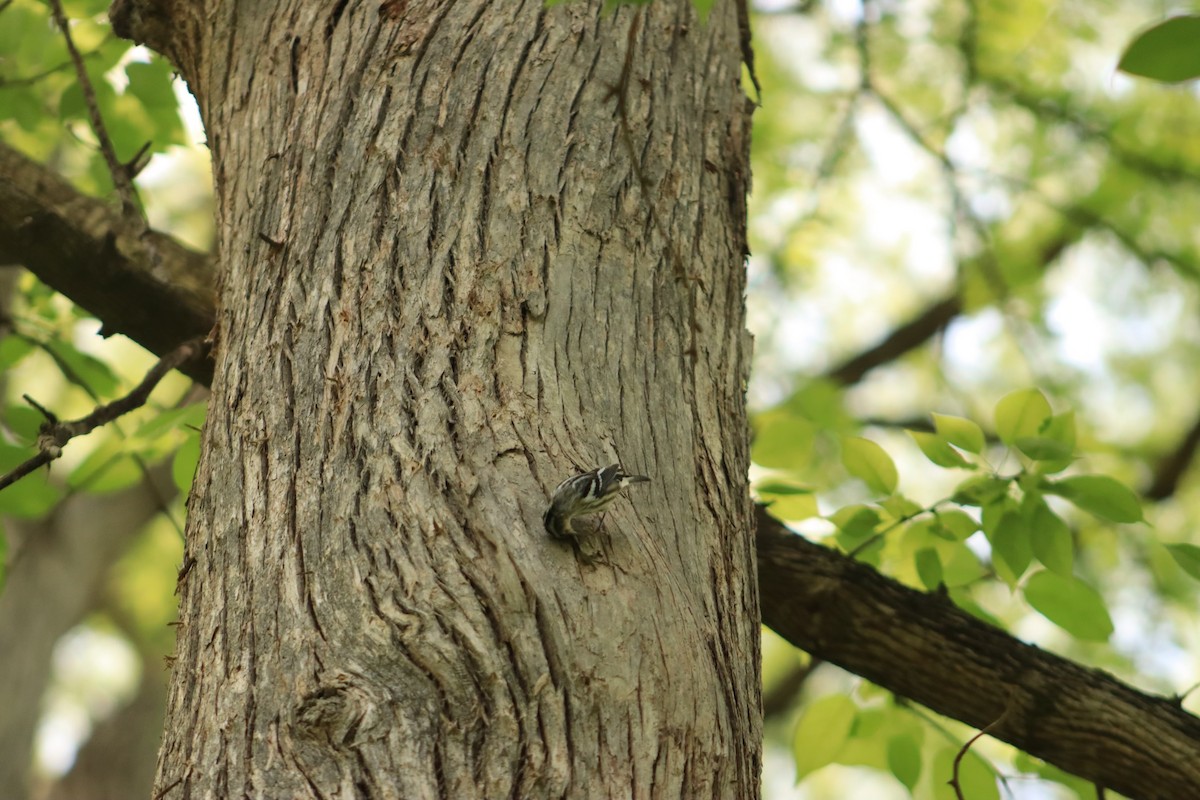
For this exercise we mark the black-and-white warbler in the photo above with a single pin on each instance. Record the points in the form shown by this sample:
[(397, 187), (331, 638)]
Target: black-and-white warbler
[(585, 493)]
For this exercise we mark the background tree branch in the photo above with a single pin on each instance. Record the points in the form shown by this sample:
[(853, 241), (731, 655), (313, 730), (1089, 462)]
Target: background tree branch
[(922, 647), (150, 287)]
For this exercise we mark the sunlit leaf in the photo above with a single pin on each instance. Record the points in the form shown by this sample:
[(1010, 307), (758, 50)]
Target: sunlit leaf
[(856, 524), (900, 506), (1020, 414), (904, 759), (960, 566), (783, 442), (820, 402), (795, 507), (1040, 448), (938, 450), (960, 432), (958, 524), (1070, 604), (1011, 548), (870, 463), (979, 490), (788, 501), (1100, 495), (1051, 539), (822, 732), (929, 568)]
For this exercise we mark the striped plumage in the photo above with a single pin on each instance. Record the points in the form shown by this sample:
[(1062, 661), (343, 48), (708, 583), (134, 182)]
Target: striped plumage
[(585, 493)]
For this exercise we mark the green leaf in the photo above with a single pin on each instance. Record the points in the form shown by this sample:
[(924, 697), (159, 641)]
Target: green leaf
[(24, 422), (782, 441), (900, 506), (979, 490), (1054, 442), (88, 370), (856, 524), (170, 419), (1021, 414), (939, 451), (1100, 495), (1168, 52), (822, 733), (1051, 539), (1011, 547), (12, 350), (1187, 556), (929, 568), (904, 759), (30, 498), (868, 462), (796, 507), (151, 84), (121, 473), (1040, 448), (975, 778), (958, 524), (1060, 428), (963, 599), (1070, 604), (788, 501), (960, 432), (960, 566), (183, 466), (106, 469), (821, 402), (781, 488), (855, 519)]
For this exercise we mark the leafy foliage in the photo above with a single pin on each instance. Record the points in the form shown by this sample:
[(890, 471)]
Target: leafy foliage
[(954, 201)]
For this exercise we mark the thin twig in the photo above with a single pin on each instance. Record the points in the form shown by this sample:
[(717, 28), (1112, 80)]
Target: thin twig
[(119, 172), (55, 434), (966, 747)]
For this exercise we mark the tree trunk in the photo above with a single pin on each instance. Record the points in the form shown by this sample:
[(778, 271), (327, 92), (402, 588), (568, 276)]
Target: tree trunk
[(465, 250)]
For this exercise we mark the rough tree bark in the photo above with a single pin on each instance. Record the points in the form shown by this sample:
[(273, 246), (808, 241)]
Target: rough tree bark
[(464, 249)]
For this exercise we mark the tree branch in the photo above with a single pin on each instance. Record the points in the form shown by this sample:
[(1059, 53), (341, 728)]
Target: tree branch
[(1173, 465), (121, 173), (149, 288), (904, 338), (55, 434), (924, 648)]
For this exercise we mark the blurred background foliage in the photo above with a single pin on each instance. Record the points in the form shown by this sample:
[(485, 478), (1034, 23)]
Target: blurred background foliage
[(954, 202), (959, 209)]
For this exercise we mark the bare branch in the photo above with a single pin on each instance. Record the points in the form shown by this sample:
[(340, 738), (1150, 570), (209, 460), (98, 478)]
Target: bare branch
[(120, 173), (903, 339), (55, 434)]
